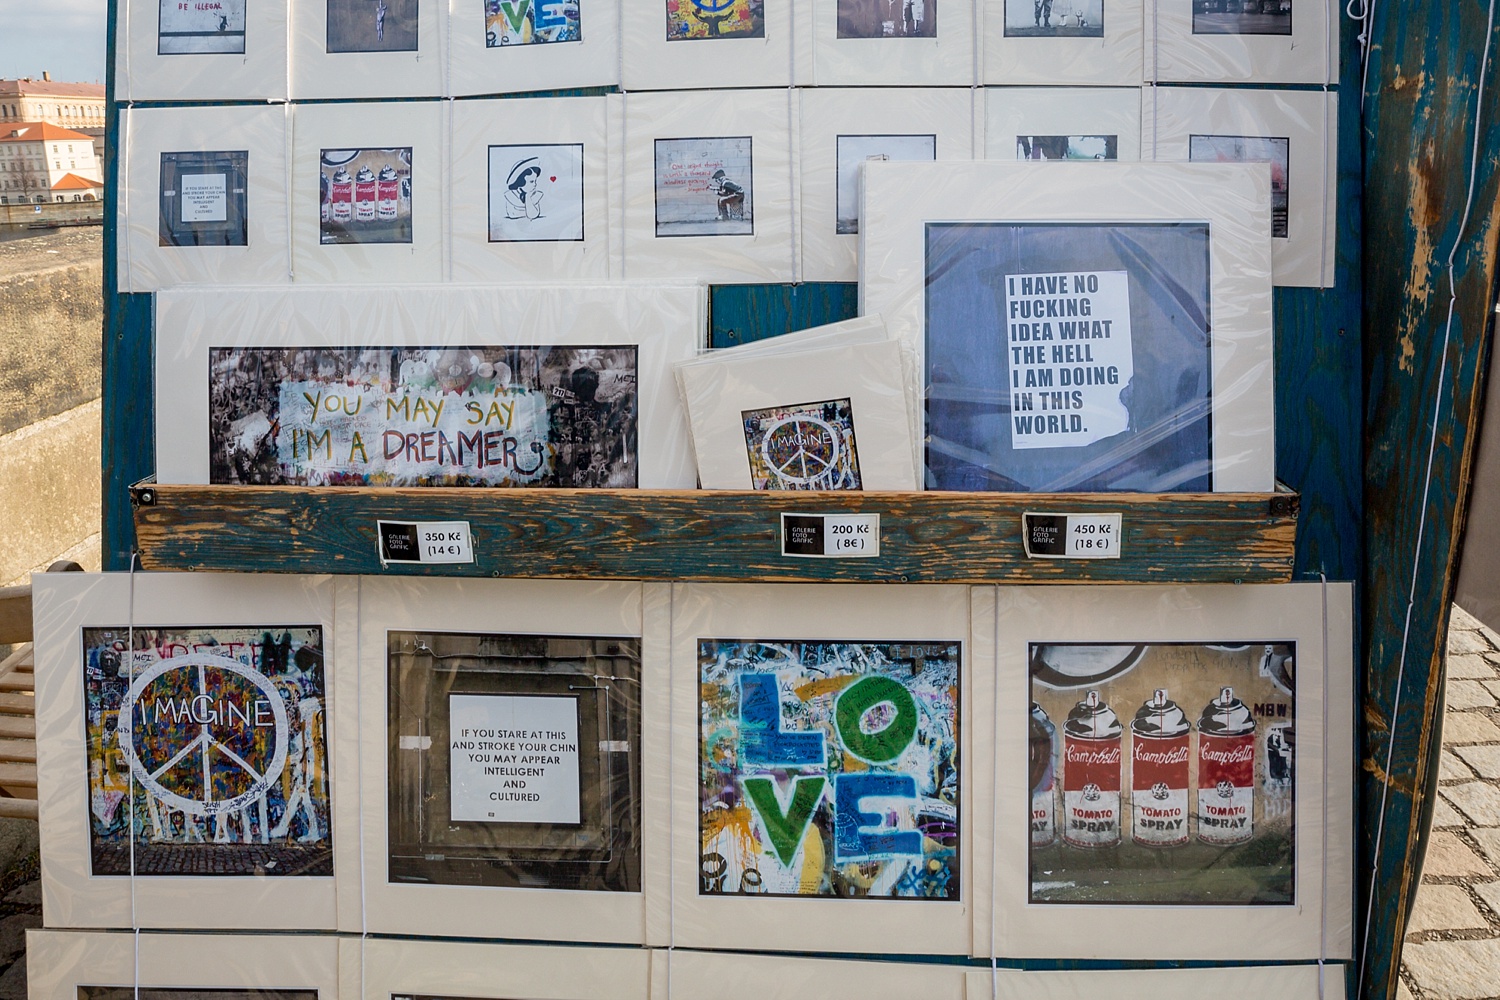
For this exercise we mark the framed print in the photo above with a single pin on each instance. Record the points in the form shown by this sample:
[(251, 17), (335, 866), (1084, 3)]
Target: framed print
[(1297, 982), (711, 204), (367, 193), (189, 734), (512, 789), (1250, 41), (453, 970), (1199, 739), (1126, 326), (367, 49), (543, 167), (745, 977), (1295, 131), (96, 965), (1053, 123), (889, 43), (1080, 42), (822, 798), (525, 46), (705, 44), (198, 209), (578, 394), (219, 50), (840, 131)]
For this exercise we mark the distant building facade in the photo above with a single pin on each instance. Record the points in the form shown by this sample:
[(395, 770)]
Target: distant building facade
[(77, 106), (41, 162)]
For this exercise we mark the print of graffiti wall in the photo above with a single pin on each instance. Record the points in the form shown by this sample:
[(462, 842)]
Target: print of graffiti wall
[(217, 736), (829, 768)]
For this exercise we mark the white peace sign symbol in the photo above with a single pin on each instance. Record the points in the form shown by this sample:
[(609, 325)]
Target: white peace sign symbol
[(818, 430), (204, 742)]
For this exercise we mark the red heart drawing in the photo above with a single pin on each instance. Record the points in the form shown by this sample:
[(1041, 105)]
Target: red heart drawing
[(554, 178)]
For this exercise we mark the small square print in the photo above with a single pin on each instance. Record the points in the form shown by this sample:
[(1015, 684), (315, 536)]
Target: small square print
[(806, 446), (531, 22), (201, 27), (372, 25), (854, 150), (1067, 147), (536, 193), (887, 19), (1251, 149), (1242, 17), (699, 20), (365, 195), (1054, 18), (203, 199), (704, 187)]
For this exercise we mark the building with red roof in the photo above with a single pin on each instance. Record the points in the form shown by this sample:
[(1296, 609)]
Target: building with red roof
[(42, 162)]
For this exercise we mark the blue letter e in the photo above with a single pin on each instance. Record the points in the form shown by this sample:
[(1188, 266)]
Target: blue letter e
[(862, 836)]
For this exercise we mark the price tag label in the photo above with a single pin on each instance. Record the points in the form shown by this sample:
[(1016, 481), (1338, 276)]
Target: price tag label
[(830, 536), (425, 542), (1071, 536)]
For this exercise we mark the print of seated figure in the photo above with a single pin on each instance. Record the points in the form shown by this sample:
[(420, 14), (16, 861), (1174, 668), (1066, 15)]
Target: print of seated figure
[(522, 198), (731, 196)]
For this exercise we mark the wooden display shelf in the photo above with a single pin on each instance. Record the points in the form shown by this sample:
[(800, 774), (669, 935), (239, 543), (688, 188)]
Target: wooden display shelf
[(710, 535)]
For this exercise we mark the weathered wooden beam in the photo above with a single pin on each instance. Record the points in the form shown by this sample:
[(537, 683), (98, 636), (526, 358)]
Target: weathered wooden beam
[(1426, 231)]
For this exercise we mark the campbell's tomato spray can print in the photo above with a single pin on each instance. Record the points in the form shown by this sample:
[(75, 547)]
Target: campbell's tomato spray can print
[(1043, 778), (341, 196), (388, 192), (1159, 764), (1091, 774), (1226, 771), (364, 195)]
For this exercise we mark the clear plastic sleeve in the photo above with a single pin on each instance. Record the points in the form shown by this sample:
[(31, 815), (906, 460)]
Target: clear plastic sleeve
[(359, 50), (1062, 41), (451, 970), (794, 709), (194, 783), (926, 43), (708, 185), (1080, 326), (1057, 123), (227, 50), (770, 977), (506, 793), (1296, 131), (841, 129), (426, 386), (510, 46), (541, 167), (205, 197), (1251, 41), (1295, 982), (669, 45), (1182, 750)]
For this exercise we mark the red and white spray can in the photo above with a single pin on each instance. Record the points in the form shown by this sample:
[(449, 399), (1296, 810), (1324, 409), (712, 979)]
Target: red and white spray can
[(365, 188), (341, 196), (388, 192), (1226, 771), (1160, 759), (1091, 774), (1043, 778)]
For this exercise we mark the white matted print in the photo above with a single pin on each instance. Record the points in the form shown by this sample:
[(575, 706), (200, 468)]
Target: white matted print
[(549, 880), (841, 130), (568, 231), (1094, 42), (794, 708), (93, 965), (1269, 760), (367, 193), (524, 46), (1242, 41), (710, 205), (701, 44), (751, 977), (1053, 123), (888, 43), (367, 49), (1005, 296), (198, 208), (1295, 131), (201, 50), (515, 385), (452, 970), (1295, 982), (262, 843)]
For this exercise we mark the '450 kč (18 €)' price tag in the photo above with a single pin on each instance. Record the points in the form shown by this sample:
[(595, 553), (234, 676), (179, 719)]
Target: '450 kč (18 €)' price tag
[(1071, 536)]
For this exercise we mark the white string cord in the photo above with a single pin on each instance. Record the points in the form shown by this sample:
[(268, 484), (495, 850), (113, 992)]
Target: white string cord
[(1437, 410), (995, 801), (288, 127), (135, 923), (672, 793), (1329, 159), (1362, 11), (1323, 908), (359, 770)]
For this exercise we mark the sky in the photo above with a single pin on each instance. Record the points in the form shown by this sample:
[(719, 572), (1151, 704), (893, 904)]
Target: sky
[(63, 37)]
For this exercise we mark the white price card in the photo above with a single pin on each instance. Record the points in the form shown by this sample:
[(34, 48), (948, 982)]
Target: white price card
[(830, 536), (425, 542), (1071, 536)]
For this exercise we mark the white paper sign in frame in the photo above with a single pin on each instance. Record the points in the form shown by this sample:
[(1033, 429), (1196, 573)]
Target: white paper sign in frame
[(1232, 198), (1295, 45), (834, 615), (1086, 118), (653, 61), (1318, 923), (1294, 982), (67, 603), (936, 122), (340, 49), (1297, 127), (489, 971), (849, 48), (248, 139), (1102, 50), (754, 977), (243, 57), (671, 226), (542, 607), (664, 320), (563, 143), (477, 67), (59, 962)]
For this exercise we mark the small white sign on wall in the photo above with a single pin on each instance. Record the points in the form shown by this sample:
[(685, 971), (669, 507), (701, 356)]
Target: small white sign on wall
[(513, 759)]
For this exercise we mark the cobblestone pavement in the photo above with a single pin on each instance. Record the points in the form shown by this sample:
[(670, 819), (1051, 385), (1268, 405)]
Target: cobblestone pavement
[(1452, 947)]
